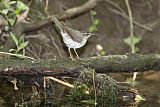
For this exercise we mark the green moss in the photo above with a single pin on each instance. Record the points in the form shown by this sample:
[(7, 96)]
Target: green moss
[(84, 92)]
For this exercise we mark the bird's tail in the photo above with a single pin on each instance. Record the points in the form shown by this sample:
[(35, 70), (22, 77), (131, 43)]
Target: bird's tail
[(57, 23)]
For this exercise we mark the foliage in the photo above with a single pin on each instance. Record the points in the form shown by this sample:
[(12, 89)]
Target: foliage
[(20, 44), (95, 23), (81, 94), (11, 9), (132, 40)]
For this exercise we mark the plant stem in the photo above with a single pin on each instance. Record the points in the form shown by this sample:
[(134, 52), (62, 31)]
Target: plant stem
[(131, 25)]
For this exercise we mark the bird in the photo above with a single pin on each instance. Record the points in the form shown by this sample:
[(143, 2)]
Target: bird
[(72, 38)]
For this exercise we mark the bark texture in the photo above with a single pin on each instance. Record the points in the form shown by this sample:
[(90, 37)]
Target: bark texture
[(66, 67)]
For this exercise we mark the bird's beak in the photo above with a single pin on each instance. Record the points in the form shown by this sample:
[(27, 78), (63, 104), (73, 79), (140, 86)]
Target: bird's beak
[(92, 34)]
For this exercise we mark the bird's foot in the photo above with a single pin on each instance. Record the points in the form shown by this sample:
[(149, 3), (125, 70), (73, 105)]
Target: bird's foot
[(71, 57), (78, 58)]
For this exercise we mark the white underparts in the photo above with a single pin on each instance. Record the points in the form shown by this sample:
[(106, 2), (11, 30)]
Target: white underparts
[(70, 43)]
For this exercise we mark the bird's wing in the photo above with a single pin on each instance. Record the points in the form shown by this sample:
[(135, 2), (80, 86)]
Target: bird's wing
[(74, 34)]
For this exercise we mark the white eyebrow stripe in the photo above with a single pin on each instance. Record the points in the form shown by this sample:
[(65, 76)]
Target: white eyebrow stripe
[(87, 33)]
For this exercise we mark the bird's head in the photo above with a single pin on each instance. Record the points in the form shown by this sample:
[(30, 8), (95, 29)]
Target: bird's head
[(87, 35)]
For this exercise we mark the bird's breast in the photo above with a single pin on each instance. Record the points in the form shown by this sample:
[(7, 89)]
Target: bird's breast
[(71, 43)]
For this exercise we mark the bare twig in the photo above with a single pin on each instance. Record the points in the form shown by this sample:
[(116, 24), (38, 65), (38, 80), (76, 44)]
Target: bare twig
[(134, 22), (54, 44), (61, 82), (17, 55), (32, 50), (122, 13), (46, 7), (32, 53), (117, 6)]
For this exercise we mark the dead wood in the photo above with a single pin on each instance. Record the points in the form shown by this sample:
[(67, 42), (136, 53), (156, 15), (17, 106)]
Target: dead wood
[(65, 67)]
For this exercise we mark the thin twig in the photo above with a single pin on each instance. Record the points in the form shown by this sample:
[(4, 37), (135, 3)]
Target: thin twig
[(117, 6), (61, 82), (134, 22), (32, 50), (16, 55), (54, 44), (122, 13), (46, 7)]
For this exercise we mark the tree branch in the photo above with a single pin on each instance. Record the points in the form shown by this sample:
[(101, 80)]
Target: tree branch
[(66, 67), (90, 4), (70, 13), (23, 27)]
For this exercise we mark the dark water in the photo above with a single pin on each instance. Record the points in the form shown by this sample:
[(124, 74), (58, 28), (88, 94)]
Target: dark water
[(32, 95)]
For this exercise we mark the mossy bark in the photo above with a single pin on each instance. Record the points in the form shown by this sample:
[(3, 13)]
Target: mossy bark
[(67, 67)]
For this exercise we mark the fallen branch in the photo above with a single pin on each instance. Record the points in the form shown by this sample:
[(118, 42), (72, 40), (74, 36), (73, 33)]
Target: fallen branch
[(66, 67)]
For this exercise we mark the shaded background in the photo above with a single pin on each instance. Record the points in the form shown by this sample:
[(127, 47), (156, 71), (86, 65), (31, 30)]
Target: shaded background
[(112, 29), (111, 32)]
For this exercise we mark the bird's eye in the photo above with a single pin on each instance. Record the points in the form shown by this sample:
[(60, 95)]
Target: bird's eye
[(88, 34)]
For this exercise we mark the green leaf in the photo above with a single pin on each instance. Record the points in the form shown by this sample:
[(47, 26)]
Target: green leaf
[(96, 22), (128, 41), (14, 38), (136, 49), (102, 53), (93, 13), (12, 2), (1, 47), (6, 4), (136, 40), (4, 11), (92, 28), (82, 86), (21, 6), (132, 40), (21, 39), (23, 45), (11, 21), (17, 11)]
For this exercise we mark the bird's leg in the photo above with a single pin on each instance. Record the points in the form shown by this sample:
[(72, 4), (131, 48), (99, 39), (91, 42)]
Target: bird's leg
[(69, 50), (76, 53)]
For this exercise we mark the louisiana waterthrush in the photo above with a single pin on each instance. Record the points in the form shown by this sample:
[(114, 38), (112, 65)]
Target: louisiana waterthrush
[(72, 38)]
